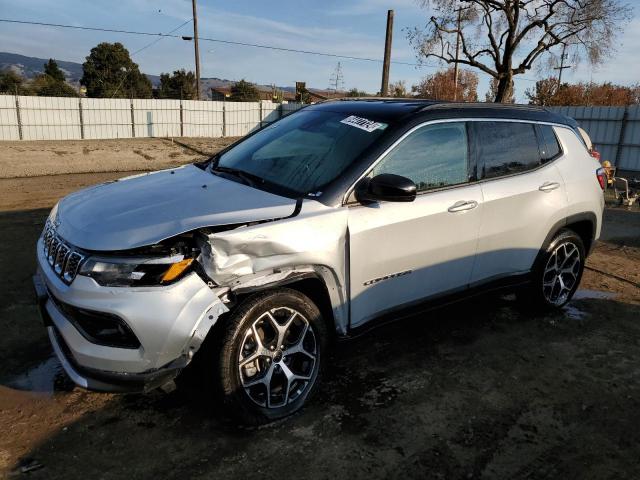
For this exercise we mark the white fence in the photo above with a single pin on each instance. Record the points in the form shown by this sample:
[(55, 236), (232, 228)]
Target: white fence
[(59, 118)]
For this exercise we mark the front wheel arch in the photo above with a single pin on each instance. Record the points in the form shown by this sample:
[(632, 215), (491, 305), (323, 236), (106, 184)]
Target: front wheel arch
[(310, 285)]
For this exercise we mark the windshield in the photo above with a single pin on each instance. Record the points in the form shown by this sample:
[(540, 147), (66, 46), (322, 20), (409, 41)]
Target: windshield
[(304, 151)]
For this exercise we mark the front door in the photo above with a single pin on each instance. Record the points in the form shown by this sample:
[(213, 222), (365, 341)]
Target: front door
[(404, 252)]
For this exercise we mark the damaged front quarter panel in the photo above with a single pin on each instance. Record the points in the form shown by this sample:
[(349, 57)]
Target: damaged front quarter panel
[(313, 243)]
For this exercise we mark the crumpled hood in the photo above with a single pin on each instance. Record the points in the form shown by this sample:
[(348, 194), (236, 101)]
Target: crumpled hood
[(145, 209)]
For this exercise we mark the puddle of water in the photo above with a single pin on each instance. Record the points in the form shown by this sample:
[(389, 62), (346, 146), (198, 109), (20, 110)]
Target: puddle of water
[(48, 376), (583, 293), (574, 313)]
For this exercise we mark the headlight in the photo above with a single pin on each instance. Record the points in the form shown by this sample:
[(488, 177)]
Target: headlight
[(135, 272)]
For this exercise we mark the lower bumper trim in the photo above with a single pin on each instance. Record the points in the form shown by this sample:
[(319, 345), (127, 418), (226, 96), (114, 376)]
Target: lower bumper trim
[(113, 382)]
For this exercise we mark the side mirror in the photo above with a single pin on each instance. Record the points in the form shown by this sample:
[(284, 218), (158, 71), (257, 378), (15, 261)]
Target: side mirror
[(387, 187)]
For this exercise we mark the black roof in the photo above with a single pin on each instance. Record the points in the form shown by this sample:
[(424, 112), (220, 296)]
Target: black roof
[(385, 110), (399, 110)]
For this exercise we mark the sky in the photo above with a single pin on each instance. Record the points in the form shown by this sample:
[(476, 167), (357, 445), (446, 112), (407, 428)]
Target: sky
[(348, 27)]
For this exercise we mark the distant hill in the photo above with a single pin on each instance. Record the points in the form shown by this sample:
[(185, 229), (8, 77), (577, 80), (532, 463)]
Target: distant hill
[(29, 67)]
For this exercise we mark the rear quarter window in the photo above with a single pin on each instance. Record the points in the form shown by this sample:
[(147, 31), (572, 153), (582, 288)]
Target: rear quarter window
[(505, 148), (549, 146)]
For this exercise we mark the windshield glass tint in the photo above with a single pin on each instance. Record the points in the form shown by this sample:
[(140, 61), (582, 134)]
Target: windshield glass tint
[(304, 151)]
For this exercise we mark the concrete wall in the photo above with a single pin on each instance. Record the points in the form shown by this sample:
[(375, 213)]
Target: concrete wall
[(59, 118)]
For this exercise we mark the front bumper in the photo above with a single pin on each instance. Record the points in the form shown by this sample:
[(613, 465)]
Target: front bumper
[(170, 322)]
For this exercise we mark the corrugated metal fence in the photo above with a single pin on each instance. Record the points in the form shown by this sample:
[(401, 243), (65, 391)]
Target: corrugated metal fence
[(58, 118), (615, 132)]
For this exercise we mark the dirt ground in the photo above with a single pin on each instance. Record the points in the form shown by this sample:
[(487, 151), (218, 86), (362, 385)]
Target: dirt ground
[(55, 157), (481, 389)]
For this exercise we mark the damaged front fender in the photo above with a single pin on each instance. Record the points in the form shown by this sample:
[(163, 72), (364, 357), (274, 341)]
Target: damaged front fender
[(311, 244)]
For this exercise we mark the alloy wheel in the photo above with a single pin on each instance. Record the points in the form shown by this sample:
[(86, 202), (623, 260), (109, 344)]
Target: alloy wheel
[(278, 357), (561, 273)]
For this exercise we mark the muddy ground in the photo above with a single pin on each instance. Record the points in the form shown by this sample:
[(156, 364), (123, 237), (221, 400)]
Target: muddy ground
[(55, 157), (482, 389)]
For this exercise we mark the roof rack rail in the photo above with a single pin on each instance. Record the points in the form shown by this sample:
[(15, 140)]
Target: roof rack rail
[(505, 106), (381, 99)]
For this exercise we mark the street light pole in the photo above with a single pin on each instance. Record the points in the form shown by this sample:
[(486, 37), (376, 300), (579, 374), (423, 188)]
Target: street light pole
[(195, 44)]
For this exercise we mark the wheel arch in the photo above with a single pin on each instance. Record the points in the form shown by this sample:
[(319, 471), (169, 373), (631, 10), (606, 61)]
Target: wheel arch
[(583, 224), (319, 283)]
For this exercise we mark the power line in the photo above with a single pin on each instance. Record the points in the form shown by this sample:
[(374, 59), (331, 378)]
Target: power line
[(162, 37), (216, 40), (230, 42)]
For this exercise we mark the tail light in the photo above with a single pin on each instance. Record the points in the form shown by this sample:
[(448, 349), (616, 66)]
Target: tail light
[(602, 178), (595, 154)]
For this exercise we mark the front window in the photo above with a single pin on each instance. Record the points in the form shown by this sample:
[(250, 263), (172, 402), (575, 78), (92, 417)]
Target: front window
[(433, 156), (302, 152)]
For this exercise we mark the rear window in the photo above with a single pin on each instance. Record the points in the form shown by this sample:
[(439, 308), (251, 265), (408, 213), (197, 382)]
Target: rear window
[(549, 146), (504, 148)]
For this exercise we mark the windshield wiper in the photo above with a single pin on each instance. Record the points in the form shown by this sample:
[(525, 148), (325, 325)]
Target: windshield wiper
[(247, 178)]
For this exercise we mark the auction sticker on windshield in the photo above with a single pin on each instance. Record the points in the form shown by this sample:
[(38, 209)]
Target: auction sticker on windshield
[(363, 123)]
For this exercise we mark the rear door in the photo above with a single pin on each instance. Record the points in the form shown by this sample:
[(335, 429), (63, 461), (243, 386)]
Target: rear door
[(523, 192), (404, 252)]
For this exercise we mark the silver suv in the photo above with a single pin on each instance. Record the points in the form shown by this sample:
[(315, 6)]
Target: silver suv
[(313, 227)]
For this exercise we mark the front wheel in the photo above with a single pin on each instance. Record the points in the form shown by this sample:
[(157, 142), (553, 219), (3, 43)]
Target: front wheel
[(270, 358), (557, 272)]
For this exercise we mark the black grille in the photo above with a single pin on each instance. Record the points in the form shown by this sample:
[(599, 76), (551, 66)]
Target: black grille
[(62, 257)]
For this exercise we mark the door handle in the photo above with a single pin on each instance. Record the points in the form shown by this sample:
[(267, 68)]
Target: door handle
[(462, 205), (548, 186)]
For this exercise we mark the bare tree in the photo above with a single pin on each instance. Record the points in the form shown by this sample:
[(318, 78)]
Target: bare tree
[(491, 94), (504, 38)]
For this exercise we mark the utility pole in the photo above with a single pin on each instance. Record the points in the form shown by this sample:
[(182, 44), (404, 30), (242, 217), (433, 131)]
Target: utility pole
[(195, 44), (384, 90), (455, 66), (562, 66)]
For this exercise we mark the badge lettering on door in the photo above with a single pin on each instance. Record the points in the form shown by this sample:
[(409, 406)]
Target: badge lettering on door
[(387, 277), (363, 123)]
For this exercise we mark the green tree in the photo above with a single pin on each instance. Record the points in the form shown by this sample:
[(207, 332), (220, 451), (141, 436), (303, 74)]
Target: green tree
[(180, 84), (110, 72), (244, 91), (51, 69), (52, 82), (11, 82), (45, 86)]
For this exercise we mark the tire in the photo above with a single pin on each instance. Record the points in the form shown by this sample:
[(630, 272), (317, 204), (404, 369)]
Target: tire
[(262, 382), (556, 273)]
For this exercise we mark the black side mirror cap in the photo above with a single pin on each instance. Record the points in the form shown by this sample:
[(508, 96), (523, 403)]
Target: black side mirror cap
[(385, 187)]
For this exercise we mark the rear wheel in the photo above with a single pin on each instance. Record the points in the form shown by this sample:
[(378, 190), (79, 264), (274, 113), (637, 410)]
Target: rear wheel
[(557, 272), (269, 361)]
